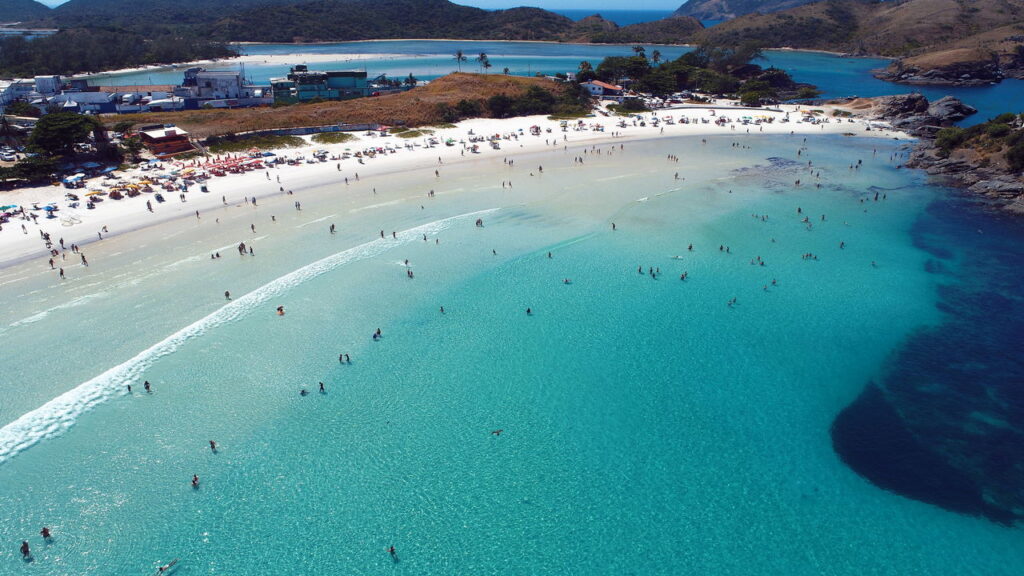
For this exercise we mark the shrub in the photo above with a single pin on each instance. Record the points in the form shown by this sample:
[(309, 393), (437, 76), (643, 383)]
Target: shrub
[(332, 137), (947, 139), (997, 130), (1015, 157)]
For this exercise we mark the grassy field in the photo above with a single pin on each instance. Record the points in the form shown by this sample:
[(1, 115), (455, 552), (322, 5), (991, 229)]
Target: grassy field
[(417, 107), (244, 143), (333, 138)]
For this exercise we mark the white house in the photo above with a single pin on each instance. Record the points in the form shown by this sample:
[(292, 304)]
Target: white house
[(604, 91)]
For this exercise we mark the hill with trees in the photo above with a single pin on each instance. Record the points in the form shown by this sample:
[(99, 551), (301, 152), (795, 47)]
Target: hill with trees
[(21, 10), (942, 40), (728, 9)]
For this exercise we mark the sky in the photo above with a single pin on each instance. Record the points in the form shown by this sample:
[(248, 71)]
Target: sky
[(595, 5)]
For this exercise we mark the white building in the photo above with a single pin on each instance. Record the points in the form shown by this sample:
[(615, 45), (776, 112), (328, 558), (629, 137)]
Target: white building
[(18, 89), (604, 91), (48, 84)]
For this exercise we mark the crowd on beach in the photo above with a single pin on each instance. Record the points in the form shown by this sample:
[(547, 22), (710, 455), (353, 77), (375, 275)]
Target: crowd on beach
[(201, 185)]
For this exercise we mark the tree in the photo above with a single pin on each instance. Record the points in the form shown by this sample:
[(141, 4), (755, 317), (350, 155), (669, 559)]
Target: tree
[(411, 80), (131, 147), (656, 56), (640, 51), (500, 105), (57, 133), (585, 72), (506, 72), (460, 58), (35, 168), (484, 61), (20, 108), (614, 68)]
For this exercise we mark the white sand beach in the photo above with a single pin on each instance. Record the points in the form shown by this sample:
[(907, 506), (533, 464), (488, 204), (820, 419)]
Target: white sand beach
[(20, 239)]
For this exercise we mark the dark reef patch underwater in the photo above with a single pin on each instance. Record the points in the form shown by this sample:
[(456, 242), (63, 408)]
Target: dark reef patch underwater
[(945, 425)]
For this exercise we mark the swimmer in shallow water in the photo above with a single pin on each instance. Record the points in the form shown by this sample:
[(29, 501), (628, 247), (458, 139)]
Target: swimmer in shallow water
[(280, 310)]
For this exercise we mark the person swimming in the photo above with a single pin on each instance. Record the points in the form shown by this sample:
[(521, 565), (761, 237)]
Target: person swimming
[(195, 481), (45, 533), (280, 310), (227, 295), (147, 386), (303, 392), (213, 446)]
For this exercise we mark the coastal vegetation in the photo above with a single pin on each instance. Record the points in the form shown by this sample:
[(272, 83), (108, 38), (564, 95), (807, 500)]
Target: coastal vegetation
[(333, 137), (712, 69), (57, 138), (243, 143), (96, 49), (1000, 140)]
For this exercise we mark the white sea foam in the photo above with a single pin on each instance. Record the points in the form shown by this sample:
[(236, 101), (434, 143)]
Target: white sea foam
[(69, 304), (59, 414), (303, 225)]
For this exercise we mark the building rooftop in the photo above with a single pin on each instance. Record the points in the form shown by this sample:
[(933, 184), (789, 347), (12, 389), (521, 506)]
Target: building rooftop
[(604, 85), (159, 133)]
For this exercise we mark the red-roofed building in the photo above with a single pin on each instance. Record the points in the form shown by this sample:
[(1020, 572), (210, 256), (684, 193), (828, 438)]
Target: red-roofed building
[(604, 90)]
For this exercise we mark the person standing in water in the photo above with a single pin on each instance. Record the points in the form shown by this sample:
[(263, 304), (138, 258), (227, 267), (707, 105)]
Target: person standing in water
[(26, 552)]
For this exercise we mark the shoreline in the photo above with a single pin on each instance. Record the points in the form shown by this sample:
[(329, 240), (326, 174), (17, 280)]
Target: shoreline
[(130, 215)]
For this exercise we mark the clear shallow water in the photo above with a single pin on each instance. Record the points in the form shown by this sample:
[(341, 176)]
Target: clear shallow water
[(428, 59), (647, 427)]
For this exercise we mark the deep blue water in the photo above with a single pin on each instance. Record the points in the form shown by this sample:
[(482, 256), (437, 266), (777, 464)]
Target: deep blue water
[(946, 423)]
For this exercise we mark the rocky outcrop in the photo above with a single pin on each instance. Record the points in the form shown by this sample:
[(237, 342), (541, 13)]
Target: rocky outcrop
[(913, 113), (950, 110), (949, 68), (965, 169), (993, 183)]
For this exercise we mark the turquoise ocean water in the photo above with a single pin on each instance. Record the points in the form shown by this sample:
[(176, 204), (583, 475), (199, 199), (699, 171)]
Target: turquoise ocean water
[(647, 427)]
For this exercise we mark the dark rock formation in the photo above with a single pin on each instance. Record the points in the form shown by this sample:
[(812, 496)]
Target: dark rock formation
[(980, 73)]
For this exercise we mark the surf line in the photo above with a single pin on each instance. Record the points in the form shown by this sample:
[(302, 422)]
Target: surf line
[(58, 415)]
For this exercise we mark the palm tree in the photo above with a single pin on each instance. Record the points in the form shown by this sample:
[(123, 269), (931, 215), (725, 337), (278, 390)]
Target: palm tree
[(506, 71), (656, 56), (640, 51), (411, 80), (585, 66), (460, 58), (485, 63)]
